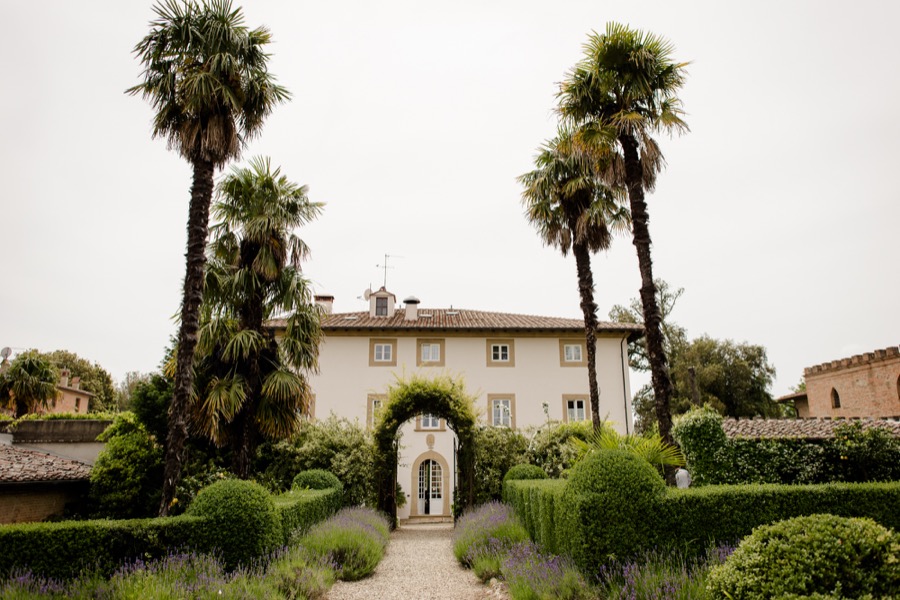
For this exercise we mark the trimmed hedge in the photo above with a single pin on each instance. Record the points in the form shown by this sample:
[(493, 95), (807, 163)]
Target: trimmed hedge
[(301, 509), (316, 479), (854, 454), (605, 512), (537, 503), (64, 549), (524, 472), (818, 554)]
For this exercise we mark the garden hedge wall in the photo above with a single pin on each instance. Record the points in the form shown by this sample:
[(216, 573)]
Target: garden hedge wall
[(301, 509), (594, 524), (64, 549)]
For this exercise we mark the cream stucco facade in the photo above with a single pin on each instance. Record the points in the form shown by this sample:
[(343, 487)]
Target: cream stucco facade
[(522, 371)]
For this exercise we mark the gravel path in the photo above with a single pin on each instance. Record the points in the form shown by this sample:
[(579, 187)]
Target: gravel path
[(418, 565)]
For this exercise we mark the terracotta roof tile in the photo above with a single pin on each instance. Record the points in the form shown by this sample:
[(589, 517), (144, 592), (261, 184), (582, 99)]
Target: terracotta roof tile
[(810, 429), (463, 320), (18, 465)]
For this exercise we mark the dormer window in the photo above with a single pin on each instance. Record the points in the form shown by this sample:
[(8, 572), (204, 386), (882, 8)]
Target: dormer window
[(381, 307)]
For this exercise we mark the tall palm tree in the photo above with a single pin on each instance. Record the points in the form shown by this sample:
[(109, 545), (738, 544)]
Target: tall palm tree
[(205, 76), (28, 383), (250, 383), (572, 209), (624, 91)]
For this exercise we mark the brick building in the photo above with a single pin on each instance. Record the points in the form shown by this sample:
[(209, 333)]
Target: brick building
[(865, 385)]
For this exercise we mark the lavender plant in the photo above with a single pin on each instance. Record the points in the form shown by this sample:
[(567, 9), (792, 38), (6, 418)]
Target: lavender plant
[(353, 539), (533, 575), (484, 533)]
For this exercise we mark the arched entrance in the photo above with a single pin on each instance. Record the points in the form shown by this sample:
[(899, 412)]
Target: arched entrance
[(442, 397), (431, 484)]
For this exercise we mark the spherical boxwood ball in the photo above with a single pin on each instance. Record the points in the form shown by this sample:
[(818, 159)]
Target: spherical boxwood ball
[(521, 472), (815, 555), (243, 521), (316, 479), (609, 504)]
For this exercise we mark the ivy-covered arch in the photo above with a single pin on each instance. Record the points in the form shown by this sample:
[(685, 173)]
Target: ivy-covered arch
[(442, 396)]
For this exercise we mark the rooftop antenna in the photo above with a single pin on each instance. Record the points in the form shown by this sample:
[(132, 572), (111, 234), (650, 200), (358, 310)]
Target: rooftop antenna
[(386, 267)]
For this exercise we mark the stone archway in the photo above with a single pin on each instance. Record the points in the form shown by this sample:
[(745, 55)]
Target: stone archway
[(443, 397)]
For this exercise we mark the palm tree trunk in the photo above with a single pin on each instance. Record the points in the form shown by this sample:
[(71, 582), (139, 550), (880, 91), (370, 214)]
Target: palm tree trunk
[(659, 369), (589, 309), (198, 226)]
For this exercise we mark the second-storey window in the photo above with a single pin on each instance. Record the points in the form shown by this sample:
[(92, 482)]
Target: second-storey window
[(501, 353), (430, 422), (431, 352), (573, 352), (383, 352)]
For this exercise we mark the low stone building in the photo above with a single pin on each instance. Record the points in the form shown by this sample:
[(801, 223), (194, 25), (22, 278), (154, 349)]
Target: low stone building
[(35, 485)]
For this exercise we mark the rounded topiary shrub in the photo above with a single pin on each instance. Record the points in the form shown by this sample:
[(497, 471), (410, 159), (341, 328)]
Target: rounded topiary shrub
[(813, 555), (316, 479), (243, 522), (609, 504), (520, 472), (701, 437)]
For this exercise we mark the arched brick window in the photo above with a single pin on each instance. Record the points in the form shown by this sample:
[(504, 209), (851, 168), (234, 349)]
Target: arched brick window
[(835, 399)]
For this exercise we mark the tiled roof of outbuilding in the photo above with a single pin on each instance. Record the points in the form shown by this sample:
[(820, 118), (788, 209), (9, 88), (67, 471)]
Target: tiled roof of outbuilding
[(446, 319), (810, 429), (18, 465)]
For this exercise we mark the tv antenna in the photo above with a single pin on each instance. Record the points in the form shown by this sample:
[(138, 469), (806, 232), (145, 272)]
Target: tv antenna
[(386, 267)]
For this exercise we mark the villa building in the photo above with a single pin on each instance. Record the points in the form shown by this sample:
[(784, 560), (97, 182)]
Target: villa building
[(522, 371)]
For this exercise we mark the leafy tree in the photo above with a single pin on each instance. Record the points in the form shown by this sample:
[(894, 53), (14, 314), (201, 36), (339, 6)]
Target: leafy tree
[(28, 384), (496, 450), (674, 336), (150, 402), (94, 378), (250, 383), (551, 448), (336, 445), (205, 75), (572, 209), (732, 378), (125, 388), (125, 479), (623, 92)]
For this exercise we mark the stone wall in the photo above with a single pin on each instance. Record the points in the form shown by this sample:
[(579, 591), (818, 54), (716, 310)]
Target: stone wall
[(29, 503), (865, 385)]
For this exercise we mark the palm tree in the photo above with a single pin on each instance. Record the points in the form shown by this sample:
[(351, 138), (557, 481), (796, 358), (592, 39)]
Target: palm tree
[(28, 383), (623, 91), (567, 201), (205, 76), (250, 383), (650, 447)]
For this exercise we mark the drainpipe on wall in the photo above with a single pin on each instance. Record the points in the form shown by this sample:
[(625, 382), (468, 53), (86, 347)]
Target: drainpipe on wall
[(622, 355)]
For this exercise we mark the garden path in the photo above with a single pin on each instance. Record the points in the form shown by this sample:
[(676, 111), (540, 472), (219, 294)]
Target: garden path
[(418, 565)]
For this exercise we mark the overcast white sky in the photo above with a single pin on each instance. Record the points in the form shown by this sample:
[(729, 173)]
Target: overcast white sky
[(778, 213)]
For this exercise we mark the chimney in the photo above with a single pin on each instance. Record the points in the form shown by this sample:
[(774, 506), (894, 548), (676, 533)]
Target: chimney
[(412, 308), (326, 302), (76, 381), (64, 378)]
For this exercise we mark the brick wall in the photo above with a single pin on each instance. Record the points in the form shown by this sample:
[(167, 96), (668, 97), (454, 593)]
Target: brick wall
[(34, 504), (867, 385)]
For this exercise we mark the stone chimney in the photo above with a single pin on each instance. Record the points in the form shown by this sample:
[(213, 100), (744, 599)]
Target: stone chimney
[(64, 378), (412, 308), (326, 302), (76, 382)]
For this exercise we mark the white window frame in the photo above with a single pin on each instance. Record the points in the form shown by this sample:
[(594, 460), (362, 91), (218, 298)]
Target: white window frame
[(501, 412), (429, 421), (430, 352), (572, 406), (572, 353), (500, 352), (384, 352)]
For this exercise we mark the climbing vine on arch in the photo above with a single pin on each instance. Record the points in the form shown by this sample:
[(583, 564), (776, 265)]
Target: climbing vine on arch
[(443, 396)]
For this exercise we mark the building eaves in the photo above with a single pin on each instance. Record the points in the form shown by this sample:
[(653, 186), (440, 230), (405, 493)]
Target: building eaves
[(20, 465)]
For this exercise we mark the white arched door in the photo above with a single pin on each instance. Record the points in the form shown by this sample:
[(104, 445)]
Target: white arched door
[(431, 496)]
